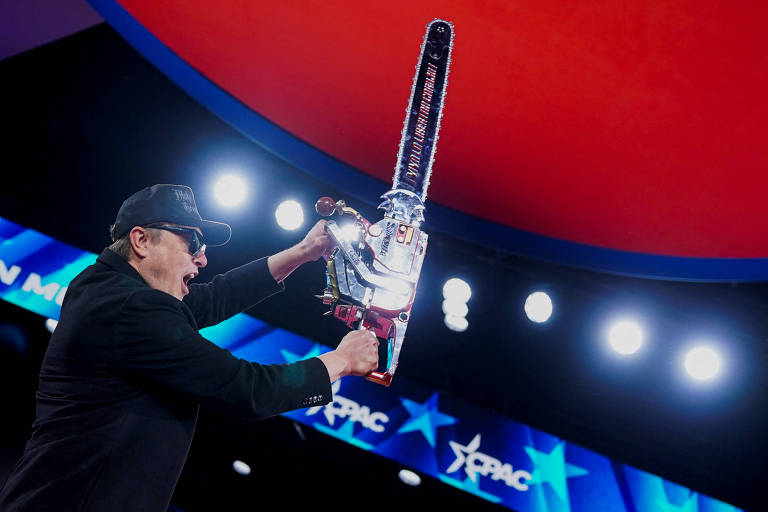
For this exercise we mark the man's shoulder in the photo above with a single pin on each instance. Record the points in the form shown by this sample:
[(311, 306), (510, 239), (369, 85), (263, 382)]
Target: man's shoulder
[(99, 291), (100, 272)]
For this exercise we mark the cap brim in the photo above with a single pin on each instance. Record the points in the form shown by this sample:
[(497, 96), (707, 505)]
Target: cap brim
[(215, 233)]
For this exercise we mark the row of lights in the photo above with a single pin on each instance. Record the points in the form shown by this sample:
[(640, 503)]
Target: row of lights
[(406, 476), (230, 191), (625, 337), (701, 362), (456, 294)]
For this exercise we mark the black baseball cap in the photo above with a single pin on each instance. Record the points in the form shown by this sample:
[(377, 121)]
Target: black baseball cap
[(168, 203)]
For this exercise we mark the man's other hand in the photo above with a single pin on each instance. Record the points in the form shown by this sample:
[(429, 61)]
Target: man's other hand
[(317, 243), (357, 354)]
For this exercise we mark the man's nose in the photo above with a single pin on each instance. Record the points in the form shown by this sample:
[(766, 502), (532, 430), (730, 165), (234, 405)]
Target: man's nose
[(200, 259)]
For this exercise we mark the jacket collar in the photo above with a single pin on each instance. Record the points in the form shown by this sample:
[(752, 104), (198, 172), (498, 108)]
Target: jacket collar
[(116, 262)]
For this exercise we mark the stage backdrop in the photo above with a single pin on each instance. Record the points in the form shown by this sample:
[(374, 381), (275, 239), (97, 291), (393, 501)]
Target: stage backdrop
[(473, 449)]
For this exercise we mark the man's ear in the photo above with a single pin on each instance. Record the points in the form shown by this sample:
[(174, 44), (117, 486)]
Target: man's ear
[(140, 241)]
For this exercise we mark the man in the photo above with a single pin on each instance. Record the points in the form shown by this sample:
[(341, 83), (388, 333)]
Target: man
[(126, 369)]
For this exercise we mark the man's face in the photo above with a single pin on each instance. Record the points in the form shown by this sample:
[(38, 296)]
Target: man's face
[(169, 264)]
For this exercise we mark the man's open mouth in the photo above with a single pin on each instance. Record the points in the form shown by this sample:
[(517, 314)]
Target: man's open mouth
[(187, 278)]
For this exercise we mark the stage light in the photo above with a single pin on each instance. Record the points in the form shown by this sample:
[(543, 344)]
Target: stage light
[(625, 337), (229, 190), (289, 215), (456, 293), (702, 363), (408, 477), (51, 324), (538, 307), (456, 289), (456, 323), (455, 308), (241, 467)]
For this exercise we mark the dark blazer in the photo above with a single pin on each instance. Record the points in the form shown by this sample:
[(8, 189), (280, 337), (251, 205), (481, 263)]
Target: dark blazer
[(121, 383)]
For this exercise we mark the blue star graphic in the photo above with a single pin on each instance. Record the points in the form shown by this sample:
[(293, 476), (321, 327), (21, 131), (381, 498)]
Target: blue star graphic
[(425, 417), (552, 468), (291, 358)]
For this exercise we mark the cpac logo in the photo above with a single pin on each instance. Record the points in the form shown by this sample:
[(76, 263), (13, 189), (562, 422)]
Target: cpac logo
[(342, 407), (475, 463)]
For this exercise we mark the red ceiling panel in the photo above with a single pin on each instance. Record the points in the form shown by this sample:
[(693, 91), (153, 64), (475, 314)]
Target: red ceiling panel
[(636, 126)]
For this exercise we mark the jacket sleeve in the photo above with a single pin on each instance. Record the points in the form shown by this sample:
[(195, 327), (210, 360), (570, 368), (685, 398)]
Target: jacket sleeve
[(231, 293), (155, 344)]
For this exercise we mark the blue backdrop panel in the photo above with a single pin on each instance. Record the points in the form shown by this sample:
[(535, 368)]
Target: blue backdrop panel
[(472, 449)]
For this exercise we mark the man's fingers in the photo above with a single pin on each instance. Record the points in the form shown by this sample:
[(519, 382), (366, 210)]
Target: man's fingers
[(362, 349)]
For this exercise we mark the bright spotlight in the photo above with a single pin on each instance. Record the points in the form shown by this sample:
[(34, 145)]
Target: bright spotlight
[(289, 215), (408, 477), (625, 337), (457, 290), (241, 467), (455, 308), (538, 307), (456, 323), (229, 190), (702, 363), (51, 324)]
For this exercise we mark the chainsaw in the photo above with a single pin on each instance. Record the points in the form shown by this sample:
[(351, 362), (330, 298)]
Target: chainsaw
[(373, 271)]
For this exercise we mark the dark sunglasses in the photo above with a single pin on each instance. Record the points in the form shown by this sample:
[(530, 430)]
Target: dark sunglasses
[(196, 242)]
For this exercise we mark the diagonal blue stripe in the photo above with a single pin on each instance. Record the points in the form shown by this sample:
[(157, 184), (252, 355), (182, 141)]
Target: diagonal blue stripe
[(24, 244), (9, 229)]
